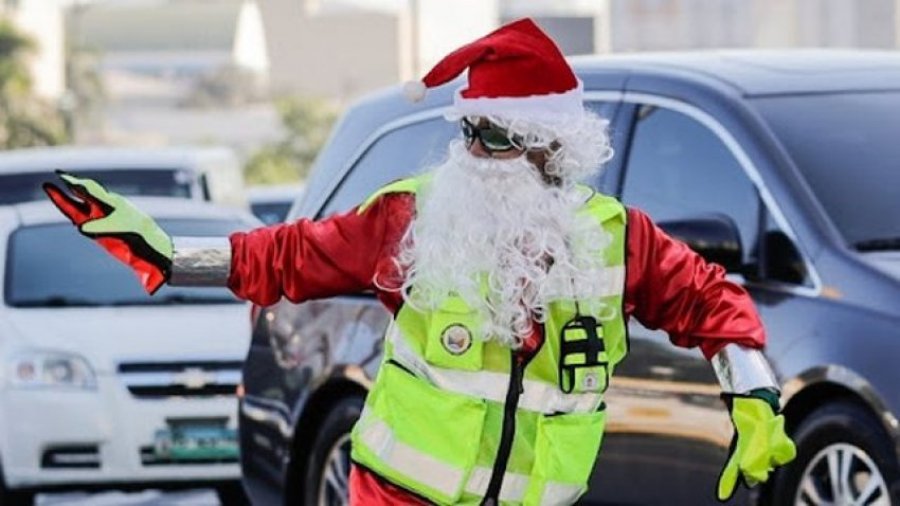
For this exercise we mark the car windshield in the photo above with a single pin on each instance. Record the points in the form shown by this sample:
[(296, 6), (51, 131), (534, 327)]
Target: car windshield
[(16, 188), (846, 147), (54, 266)]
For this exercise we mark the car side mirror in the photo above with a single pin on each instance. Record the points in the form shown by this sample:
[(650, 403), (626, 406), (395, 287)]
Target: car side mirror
[(715, 237)]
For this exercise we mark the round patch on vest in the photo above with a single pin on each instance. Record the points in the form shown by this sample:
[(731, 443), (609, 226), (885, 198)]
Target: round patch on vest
[(456, 339)]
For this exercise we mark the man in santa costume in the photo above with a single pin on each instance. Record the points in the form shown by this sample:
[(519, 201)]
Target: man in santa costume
[(510, 285)]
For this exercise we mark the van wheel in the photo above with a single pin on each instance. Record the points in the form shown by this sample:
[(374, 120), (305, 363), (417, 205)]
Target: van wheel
[(843, 457), (328, 468)]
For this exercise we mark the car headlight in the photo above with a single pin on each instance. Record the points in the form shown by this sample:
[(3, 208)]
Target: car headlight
[(50, 369)]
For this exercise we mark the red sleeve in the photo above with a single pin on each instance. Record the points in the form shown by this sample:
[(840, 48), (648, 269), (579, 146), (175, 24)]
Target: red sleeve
[(670, 287), (315, 259)]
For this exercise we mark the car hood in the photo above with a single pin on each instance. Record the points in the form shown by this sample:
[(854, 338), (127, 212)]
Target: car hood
[(109, 335)]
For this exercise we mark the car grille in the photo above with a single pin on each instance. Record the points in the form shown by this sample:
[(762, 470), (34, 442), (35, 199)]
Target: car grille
[(159, 380), (71, 457)]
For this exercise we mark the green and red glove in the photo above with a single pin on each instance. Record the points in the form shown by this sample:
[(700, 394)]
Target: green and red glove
[(759, 444), (117, 226)]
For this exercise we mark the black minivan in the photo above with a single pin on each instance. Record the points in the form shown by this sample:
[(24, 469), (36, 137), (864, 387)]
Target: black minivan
[(782, 166)]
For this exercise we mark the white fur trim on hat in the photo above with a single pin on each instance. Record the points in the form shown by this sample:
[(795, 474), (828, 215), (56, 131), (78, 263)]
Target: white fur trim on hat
[(414, 91), (551, 107)]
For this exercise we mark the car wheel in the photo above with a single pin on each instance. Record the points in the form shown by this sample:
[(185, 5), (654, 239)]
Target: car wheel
[(232, 494), (328, 467), (14, 497), (843, 457)]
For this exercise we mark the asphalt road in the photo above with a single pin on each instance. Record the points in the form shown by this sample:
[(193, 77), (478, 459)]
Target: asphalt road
[(144, 498)]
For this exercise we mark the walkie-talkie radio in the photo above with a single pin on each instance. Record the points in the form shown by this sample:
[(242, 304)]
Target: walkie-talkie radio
[(583, 362)]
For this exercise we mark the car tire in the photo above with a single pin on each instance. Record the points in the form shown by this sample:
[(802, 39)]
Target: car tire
[(840, 439), (232, 494), (14, 497), (328, 465)]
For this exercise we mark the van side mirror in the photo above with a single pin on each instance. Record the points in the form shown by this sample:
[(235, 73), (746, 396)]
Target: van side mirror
[(715, 237)]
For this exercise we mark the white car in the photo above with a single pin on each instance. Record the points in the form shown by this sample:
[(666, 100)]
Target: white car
[(102, 385)]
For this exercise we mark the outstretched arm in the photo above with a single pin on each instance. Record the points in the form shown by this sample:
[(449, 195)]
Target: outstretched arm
[(671, 287), (315, 259), (301, 260)]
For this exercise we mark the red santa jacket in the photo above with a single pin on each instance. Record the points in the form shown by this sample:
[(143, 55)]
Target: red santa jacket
[(667, 286)]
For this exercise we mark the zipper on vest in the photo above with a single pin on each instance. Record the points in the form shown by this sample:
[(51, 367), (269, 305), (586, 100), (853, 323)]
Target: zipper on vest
[(508, 431)]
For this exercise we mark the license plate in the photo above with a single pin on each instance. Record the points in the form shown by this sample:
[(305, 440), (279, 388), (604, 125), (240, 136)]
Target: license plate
[(187, 442)]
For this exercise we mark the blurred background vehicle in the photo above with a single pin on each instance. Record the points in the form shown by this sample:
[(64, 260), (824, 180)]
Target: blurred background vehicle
[(271, 203), (204, 174), (781, 166), (104, 386)]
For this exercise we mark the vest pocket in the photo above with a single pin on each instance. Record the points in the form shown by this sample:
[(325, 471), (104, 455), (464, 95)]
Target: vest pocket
[(583, 362), (419, 436), (566, 448), (454, 339)]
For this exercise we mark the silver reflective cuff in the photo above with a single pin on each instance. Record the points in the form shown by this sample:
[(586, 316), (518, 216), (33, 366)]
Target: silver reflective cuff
[(200, 261), (741, 369)]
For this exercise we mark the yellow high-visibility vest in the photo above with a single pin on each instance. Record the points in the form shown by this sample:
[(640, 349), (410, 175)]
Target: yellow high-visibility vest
[(456, 418)]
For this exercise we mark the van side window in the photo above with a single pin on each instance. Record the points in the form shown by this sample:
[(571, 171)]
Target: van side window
[(397, 154), (780, 260), (678, 169)]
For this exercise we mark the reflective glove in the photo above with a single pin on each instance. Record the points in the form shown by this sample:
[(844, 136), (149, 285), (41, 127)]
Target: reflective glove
[(759, 444), (116, 225)]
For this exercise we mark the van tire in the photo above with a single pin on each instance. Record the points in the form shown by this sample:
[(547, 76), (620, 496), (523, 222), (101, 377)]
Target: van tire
[(232, 494), (334, 429), (834, 426)]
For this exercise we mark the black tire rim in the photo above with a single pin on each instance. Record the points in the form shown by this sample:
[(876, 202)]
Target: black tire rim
[(842, 474), (334, 484)]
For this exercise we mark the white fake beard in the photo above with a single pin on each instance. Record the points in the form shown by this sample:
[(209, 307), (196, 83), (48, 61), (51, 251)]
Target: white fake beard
[(496, 220)]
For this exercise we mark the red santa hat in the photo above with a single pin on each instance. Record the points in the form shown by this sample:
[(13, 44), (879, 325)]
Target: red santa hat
[(516, 72)]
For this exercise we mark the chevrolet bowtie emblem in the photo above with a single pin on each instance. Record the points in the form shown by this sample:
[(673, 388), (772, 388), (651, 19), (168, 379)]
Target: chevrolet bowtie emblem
[(194, 378)]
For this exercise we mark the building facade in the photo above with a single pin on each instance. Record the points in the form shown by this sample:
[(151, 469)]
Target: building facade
[(42, 21), (662, 25), (343, 49)]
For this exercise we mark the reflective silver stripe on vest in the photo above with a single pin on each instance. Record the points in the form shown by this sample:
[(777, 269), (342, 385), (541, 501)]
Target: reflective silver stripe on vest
[(409, 461), (514, 484), (561, 493), (608, 283), (536, 396), (425, 469)]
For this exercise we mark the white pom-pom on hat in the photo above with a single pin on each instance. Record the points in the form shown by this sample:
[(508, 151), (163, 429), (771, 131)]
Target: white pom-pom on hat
[(414, 91)]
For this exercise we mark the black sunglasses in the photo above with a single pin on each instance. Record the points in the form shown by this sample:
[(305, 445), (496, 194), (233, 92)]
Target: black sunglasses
[(493, 138)]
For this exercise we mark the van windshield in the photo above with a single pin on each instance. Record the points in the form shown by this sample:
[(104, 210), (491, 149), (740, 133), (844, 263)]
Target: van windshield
[(846, 147), (16, 188), (55, 266)]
